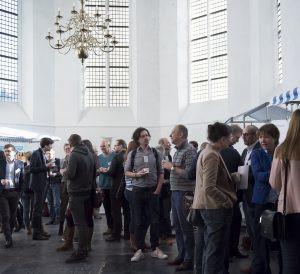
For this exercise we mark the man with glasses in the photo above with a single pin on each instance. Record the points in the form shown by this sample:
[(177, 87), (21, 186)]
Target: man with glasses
[(11, 176), (233, 160), (251, 141)]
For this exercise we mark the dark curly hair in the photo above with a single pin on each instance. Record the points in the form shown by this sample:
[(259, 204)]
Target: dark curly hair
[(136, 134), (46, 142)]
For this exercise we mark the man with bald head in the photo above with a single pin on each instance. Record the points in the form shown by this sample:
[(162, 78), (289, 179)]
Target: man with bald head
[(251, 141), (105, 182), (181, 185)]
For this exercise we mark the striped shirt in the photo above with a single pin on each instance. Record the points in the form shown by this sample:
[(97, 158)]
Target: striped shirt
[(183, 158)]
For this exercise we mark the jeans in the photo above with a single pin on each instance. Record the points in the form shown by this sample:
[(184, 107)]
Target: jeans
[(199, 248), (27, 200), (291, 246), (235, 229), (184, 231), (146, 207), (216, 229), (53, 197)]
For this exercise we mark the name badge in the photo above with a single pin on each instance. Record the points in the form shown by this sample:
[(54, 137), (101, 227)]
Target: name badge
[(18, 171), (146, 159)]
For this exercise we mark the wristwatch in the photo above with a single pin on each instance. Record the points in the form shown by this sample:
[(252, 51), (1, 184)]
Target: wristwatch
[(172, 168)]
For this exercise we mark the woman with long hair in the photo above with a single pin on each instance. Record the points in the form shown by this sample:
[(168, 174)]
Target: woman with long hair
[(289, 151)]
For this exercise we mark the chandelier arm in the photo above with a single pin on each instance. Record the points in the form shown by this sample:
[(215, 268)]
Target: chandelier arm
[(64, 53), (110, 48), (55, 47)]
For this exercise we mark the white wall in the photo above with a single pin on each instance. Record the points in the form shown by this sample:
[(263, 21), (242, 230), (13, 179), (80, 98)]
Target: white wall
[(51, 84)]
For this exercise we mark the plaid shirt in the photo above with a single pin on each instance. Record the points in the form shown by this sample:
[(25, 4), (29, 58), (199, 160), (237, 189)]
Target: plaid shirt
[(183, 158)]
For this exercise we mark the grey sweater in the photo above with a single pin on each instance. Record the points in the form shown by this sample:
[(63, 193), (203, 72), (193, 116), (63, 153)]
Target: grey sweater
[(81, 170)]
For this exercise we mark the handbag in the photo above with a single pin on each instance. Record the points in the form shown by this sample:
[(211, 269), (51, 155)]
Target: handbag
[(273, 223), (188, 198), (194, 217)]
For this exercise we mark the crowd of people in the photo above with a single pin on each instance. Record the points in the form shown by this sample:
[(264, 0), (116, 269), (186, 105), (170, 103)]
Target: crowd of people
[(145, 185)]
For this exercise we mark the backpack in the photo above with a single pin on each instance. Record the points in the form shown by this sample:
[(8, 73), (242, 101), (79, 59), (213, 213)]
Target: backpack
[(154, 151)]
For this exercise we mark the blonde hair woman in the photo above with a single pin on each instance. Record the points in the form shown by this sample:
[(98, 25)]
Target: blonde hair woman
[(289, 150)]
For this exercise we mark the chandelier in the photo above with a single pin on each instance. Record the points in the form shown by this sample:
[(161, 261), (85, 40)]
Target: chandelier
[(83, 33)]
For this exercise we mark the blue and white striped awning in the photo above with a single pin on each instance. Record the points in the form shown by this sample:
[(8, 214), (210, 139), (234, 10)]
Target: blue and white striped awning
[(285, 97)]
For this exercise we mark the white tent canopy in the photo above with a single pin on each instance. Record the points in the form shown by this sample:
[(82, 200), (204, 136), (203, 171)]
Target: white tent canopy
[(20, 135), (263, 113)]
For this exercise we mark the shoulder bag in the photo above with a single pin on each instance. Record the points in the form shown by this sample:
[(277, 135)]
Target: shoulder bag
[(273, 223)]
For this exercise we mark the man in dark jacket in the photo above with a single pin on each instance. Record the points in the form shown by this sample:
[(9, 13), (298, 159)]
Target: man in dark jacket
[(116, 171), (39, 183), (233, 160), (11, 176), (53, 192), (80, 175)]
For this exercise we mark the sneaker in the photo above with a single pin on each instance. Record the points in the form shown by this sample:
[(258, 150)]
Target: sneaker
[(157, 253), (139, 255)]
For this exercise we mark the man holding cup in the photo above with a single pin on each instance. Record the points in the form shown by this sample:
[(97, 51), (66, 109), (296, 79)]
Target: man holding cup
[(11, 176), (144, 166)]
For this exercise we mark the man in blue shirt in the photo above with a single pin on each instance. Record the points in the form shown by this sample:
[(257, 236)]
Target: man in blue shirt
[(105, 182)]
